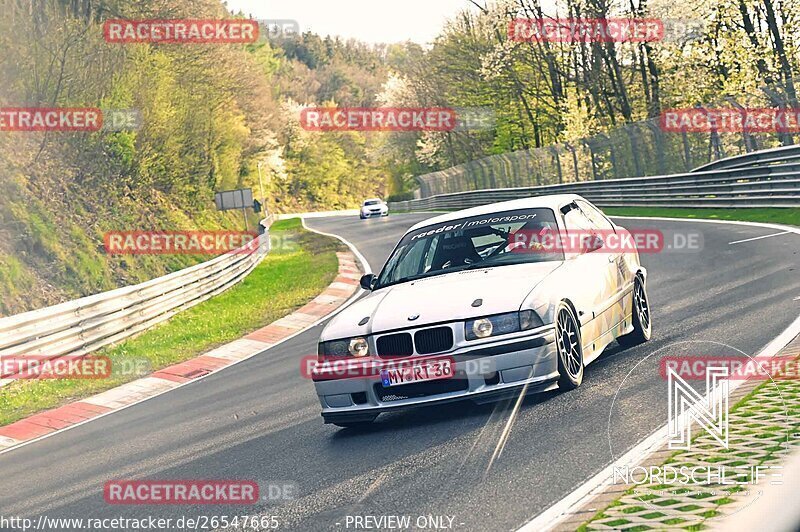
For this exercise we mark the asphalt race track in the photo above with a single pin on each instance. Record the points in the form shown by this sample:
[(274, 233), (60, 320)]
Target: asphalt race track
[(260, 419)]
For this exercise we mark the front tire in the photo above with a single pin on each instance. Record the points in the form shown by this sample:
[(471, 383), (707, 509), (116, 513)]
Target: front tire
[(642, 320), (568, 346)]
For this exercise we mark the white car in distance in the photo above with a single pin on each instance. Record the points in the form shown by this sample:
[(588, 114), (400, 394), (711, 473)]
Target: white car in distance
[(373, 207)]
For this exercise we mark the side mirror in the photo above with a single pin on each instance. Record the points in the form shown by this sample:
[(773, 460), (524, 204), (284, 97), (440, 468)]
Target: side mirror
[(368, 281), (595, 242)]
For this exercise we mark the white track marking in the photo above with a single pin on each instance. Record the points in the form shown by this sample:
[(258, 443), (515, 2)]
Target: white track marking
[(356, 252), (759, 237), (777, 227), (321, 214)]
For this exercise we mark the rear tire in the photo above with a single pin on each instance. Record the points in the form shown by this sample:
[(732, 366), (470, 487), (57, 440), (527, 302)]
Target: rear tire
[(642, 320), (568, 347)]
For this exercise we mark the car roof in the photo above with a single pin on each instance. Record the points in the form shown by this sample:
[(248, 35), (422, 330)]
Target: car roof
[(372, 199), (552, 201)]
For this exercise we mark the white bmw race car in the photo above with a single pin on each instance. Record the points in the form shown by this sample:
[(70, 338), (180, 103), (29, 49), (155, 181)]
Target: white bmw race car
[(482, 304), (373, 207)]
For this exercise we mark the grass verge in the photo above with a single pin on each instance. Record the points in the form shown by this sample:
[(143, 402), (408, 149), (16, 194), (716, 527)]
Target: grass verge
[(300, 266), (778, 216), (786, 216)]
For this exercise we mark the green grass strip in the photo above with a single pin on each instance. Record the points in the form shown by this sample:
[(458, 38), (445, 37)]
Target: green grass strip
[(778, 216), (786, 216)]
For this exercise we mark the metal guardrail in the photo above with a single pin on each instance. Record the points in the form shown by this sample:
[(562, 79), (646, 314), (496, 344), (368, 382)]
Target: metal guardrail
[(77, 328), (763, 157), (768, 178)]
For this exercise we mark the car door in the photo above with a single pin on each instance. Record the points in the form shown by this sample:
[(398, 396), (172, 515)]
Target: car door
[(619, 281), (596, 276)]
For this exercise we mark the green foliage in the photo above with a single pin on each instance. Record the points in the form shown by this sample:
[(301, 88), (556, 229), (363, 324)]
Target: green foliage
[(401, 196), (15, 283), (209, 115), (223, 117), (289, 224), (738, 53)]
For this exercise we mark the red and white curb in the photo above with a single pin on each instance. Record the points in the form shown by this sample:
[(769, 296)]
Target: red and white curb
[(343, 289)]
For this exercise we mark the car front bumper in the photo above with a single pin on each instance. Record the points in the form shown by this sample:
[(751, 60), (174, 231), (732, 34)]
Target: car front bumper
[(489, 372), (370, 214)]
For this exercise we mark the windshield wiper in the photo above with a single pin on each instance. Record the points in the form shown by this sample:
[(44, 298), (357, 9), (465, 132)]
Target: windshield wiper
[(426, 275), (493, 264)]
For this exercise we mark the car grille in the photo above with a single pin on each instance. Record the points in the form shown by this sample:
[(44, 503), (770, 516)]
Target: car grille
[(433, 340), (395, 345)]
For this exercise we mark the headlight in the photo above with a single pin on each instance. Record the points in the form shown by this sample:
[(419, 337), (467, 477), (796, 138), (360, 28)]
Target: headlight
[(482, 328), (359, 347), (336, 348), (528, 319), (501, 324)]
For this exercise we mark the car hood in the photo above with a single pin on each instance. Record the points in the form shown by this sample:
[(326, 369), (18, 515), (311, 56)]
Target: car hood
[(441, 298)]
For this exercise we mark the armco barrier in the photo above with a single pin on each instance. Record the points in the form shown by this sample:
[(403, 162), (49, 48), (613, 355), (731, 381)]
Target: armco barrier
[(763, 157), (76, 328), (768, 178)]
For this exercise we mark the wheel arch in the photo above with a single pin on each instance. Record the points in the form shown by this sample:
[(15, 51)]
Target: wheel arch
[(571, 306)]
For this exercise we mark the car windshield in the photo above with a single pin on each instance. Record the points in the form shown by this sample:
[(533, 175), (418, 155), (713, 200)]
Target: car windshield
[(372, 202), (484, 241)]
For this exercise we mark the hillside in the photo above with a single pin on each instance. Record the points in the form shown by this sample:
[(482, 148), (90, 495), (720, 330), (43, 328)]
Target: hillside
[(209, 114)]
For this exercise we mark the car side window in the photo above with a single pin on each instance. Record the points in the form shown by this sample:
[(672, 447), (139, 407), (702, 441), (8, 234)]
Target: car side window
[(578, 224), (595, 216), (432, 246), (411, 260), (576, 220)]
